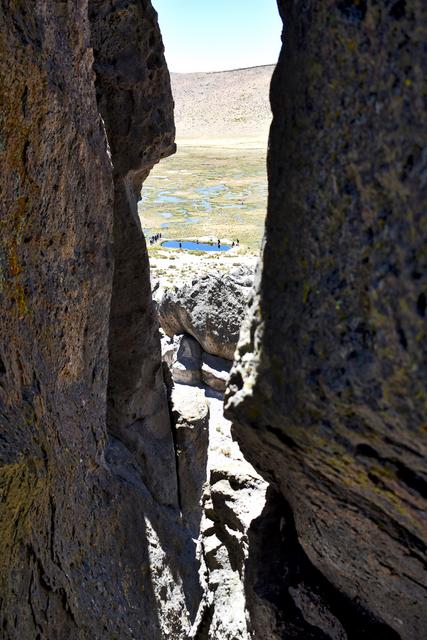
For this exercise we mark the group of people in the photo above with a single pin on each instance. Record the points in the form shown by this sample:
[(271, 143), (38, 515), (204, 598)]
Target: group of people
[(155, 238), (234, 244)]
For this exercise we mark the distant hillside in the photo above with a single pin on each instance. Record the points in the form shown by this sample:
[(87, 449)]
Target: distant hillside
[(225, 104)]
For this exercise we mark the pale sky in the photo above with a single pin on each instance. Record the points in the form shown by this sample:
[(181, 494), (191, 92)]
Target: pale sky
[(207, 35)]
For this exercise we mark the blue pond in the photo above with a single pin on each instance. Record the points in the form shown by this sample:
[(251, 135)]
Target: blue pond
[(200, 246)]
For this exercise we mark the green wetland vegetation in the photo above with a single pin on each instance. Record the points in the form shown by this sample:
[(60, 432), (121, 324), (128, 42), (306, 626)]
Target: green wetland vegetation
[(220, 192)]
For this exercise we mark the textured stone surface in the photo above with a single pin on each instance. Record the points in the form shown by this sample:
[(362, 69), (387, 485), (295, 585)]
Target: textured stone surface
[(55, 287), (187, 362), (233, 495), (83, 534), (135, 101), (211, 309), (328, 390), (287, 596), (220, 494), (215, 371), (190, 413)]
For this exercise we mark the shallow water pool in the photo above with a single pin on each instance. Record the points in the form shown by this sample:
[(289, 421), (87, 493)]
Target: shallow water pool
[(195, 246)]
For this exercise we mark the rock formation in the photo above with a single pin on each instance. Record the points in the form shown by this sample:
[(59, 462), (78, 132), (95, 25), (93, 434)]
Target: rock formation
[(135, 102), (116, 522), (89, 513), (210, 309), (220, 493), (56, 269), (328, 392)]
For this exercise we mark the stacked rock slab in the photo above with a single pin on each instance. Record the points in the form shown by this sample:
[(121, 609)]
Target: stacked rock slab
[(204, 314), (328, 390), (89, 521)]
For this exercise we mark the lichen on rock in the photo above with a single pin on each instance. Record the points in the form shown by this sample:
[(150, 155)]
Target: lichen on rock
[(80, 508), (118, 522), (328, 388)]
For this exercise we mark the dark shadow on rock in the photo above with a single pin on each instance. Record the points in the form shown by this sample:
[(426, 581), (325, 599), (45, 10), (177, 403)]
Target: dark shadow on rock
[(172, 544), (135, 102), (287, 597)]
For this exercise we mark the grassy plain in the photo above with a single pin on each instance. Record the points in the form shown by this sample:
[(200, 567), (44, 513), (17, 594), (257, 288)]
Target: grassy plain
[(216, 189)]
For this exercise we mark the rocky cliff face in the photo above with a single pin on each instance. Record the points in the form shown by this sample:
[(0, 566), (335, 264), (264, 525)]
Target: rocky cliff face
[(328, 390), (101, 499), (89, 515), (135, 101), (56, 268)]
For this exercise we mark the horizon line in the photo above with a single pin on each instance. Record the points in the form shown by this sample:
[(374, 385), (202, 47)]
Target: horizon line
[(256, 66)]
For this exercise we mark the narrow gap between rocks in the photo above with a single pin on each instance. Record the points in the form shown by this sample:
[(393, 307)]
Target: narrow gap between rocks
[(202, 211)]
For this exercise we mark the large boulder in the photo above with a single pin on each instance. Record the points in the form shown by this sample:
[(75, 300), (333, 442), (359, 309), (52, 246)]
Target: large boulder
[(211, 309), (87, 542), (186, 367), (328, 392)]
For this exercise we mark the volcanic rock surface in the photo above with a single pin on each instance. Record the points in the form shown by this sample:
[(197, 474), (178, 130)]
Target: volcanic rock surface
[(211, 309), (89, 513), (118, 522), (328, 391), (135, 101)]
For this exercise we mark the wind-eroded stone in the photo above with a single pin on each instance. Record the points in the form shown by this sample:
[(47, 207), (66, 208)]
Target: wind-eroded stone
[(211, 309), (135, 101), (86, 542), (328, 390)]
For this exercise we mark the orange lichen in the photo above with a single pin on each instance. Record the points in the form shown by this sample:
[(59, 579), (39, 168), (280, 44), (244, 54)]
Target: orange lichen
[(18, 133)]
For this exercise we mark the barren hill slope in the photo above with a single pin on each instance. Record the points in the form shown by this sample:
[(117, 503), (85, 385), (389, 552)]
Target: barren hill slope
[(223, 105)]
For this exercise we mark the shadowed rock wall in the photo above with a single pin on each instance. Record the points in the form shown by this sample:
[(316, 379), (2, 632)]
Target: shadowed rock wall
[(135, 101), (328, 391), (85, 542), (56, 269)]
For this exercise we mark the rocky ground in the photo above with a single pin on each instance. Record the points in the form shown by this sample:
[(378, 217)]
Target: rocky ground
[(220, 492), (170, 267)]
